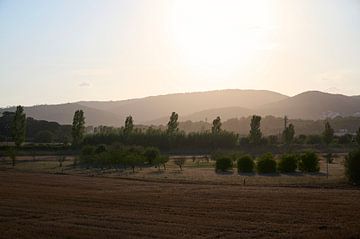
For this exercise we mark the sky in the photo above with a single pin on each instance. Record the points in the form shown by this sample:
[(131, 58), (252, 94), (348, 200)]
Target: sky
[(63, 51)]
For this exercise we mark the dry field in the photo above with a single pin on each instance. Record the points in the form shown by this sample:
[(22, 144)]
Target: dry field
[(43, 205), (194, 172)]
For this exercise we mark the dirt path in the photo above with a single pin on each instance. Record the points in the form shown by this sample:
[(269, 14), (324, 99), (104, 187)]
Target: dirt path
[(63, 206)]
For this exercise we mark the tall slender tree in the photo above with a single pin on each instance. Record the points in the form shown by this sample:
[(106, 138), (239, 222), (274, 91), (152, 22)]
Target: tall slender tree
[(357, 137), (288, 134), (78, 127), (328, 133), (129, 125), (19, 126), (216, 128), (172, 126), (328, 136), (255, 131)]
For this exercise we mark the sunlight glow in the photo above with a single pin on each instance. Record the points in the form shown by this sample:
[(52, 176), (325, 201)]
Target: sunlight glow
[(221, 34)]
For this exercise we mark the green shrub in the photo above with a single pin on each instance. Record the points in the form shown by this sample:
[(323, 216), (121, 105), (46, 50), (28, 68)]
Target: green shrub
[(352, 167), (266, 164), (309, 162), (223, 164), (245, 164), (100, 149), (287, 163), (88, 150)]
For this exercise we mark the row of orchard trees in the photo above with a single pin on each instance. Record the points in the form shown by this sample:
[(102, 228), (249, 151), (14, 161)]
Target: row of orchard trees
[(268, 163), (118, 156)]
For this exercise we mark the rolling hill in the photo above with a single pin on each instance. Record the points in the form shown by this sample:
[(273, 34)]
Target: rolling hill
[(63, 114), (202, 106), (313, 105)]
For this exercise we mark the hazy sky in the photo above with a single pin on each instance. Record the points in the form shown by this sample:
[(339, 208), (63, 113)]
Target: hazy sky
[(63, 51)]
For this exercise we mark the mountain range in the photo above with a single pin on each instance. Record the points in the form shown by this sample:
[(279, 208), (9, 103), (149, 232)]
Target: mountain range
[(201, 106)]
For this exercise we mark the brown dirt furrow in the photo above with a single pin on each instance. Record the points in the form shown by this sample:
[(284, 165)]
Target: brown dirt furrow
[(65, 206)]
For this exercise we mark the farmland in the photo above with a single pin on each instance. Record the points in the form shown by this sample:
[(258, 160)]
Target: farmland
[(39, 200)]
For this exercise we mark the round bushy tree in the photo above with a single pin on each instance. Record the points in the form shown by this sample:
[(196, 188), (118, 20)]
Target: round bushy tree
[(287, 163), (245, 164), (309, 162), (352, 167), (266, 164), (223, 164), (151, 154)]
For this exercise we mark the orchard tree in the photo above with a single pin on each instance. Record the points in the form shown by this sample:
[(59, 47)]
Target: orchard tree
[(19, 126), (255, 131), (328, 133), (216, 128), (129, 125), (78, 127), (172, 126), (180, 162)]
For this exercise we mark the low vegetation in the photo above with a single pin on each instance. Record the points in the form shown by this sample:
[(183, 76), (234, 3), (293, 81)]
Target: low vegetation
[(352, 167), (287, 163), (120, 156), (309, 162), (266, 164), (223, 164), (245, 164)]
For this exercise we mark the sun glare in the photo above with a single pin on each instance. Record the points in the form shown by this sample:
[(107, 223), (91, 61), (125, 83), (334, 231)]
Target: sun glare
[(225, 34)]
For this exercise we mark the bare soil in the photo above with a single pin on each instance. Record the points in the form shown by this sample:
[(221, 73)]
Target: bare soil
[(43, 205)]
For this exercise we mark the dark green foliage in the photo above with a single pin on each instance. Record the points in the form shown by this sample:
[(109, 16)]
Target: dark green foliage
[(357, 137), (100, 149), (88, 150), (266, 164), (345, 139), (352, 167), (162, 140), (301, 139), (273, 139), (287, 163), (223, 164), (161, 161), (151, 153), (309, 162), (255, 132), (288, 134), (44, 136), (172, 126), (245, 164), (116, 156), (78, 127), (328, 133), (129, 125), (216, 128), (313, 139), (19, 126)]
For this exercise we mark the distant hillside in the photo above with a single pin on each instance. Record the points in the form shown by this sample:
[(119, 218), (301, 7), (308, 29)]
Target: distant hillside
[(202, 106), (155, 107), (63, 114), (313, 105)]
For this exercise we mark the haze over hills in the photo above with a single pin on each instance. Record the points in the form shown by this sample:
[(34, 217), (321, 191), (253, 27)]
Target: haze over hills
[(202, 106)]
